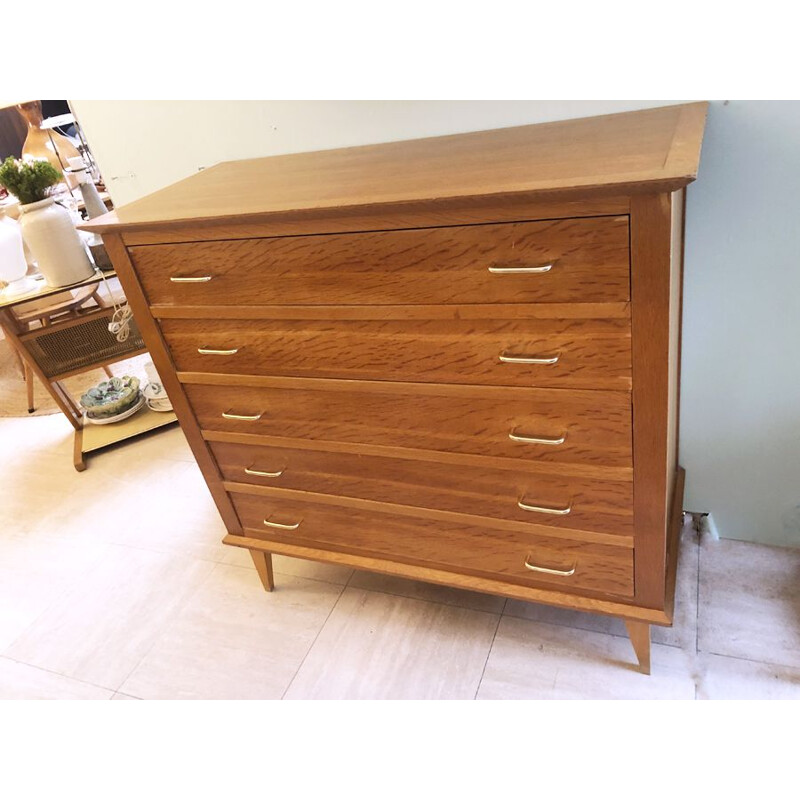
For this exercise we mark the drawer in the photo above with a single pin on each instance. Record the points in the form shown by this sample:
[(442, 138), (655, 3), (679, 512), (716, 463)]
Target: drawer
[(492, 350), (558, 425), (595, 505), (467, 549), (578, 260)]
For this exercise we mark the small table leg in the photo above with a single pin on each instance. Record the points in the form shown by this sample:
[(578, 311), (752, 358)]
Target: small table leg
[(77, 451)]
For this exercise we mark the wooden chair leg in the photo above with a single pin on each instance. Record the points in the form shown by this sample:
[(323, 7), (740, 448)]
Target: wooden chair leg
[(263, 562), (108, 372), (29, 387), (22, 365), (639, 633)]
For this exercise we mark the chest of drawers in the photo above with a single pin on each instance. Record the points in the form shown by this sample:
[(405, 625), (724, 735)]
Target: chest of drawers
[(453, 359)]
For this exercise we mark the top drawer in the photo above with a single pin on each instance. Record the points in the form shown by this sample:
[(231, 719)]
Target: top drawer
[(555, 261)]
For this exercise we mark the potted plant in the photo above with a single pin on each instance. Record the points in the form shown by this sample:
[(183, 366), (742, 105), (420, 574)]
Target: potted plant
[(46, 226)]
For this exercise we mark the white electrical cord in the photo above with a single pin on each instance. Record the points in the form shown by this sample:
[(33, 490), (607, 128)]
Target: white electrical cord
[(120, 324)]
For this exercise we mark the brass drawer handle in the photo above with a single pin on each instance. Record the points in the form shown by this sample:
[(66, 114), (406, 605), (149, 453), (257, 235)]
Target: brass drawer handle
[(207, 351), (508, 359), (244, 417), (261, 474), (495, 270), (516, 437), (561, 512), (282, 526), (201, 279), (564, 573)]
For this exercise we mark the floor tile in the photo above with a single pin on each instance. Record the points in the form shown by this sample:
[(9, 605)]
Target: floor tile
[(23, 682), (750, 602), (379, 646), (536, 661), (99, 630), (683, 632), (233, 640), (121, 696), (723, 678), (376, 582), (35, 570)]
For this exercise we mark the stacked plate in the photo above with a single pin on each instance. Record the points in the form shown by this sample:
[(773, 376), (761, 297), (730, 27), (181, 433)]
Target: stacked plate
[(156, 398)]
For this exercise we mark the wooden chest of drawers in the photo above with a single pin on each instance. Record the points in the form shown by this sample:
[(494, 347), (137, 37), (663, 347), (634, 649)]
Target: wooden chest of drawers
[(453, 359)]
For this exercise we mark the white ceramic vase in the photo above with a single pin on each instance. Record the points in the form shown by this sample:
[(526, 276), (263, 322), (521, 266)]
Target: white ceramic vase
[(50, 233)]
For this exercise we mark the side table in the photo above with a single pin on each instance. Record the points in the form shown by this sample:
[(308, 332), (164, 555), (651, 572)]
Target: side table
[(71, 346)]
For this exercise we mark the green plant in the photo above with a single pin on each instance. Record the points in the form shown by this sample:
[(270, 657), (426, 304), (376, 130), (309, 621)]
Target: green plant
[(28, 181)]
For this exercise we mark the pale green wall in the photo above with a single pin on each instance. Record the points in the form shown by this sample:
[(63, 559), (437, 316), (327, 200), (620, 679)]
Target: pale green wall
[(740, 409), (740, 404)]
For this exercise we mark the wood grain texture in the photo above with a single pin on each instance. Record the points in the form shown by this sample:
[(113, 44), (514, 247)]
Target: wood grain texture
[(651, 288), (598, 604), (589, 259), (430, 514), (433, 213), (655, 148), (475, 311), (605, 506), (592, 354), (166, 371), (596, 425), (578, 470), (474, 549)]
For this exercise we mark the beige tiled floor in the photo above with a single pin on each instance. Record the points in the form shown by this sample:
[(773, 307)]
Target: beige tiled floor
[(114, 585)]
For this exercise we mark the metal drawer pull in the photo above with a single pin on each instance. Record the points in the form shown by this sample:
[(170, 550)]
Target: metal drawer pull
[(506, 359), (251, 471), (564, 573), (521, 270), (206, 351), (282, 526), (245, 417), (561, 512), (202, 279), (515, 437)]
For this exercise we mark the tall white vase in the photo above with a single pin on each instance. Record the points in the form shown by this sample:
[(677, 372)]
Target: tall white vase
[(50, 233)]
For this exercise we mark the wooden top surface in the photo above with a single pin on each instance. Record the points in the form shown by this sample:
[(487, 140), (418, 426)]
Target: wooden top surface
[(651, 150)]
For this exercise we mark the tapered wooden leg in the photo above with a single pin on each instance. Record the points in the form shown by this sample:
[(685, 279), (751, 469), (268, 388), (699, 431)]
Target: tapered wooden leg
[(29, 387), (77, 451), (640, 639), (263, 562), (108, 372)]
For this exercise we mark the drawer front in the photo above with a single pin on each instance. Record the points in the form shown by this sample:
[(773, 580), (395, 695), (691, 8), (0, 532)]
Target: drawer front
[(464, 548), (588, 354), (558, 425), (559, 502), (578, 260)]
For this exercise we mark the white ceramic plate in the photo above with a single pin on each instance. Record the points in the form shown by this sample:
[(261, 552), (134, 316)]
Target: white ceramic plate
[(124, 415)]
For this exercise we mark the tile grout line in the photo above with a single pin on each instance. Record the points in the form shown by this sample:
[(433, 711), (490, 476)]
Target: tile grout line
[(166, 627), (489, 651), (59, 674), (303, 660)]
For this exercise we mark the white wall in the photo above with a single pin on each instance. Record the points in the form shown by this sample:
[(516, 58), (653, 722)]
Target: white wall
[(142, 146), (740, 408)]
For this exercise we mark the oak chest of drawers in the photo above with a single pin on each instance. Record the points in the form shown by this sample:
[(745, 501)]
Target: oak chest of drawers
[(451, 359)]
